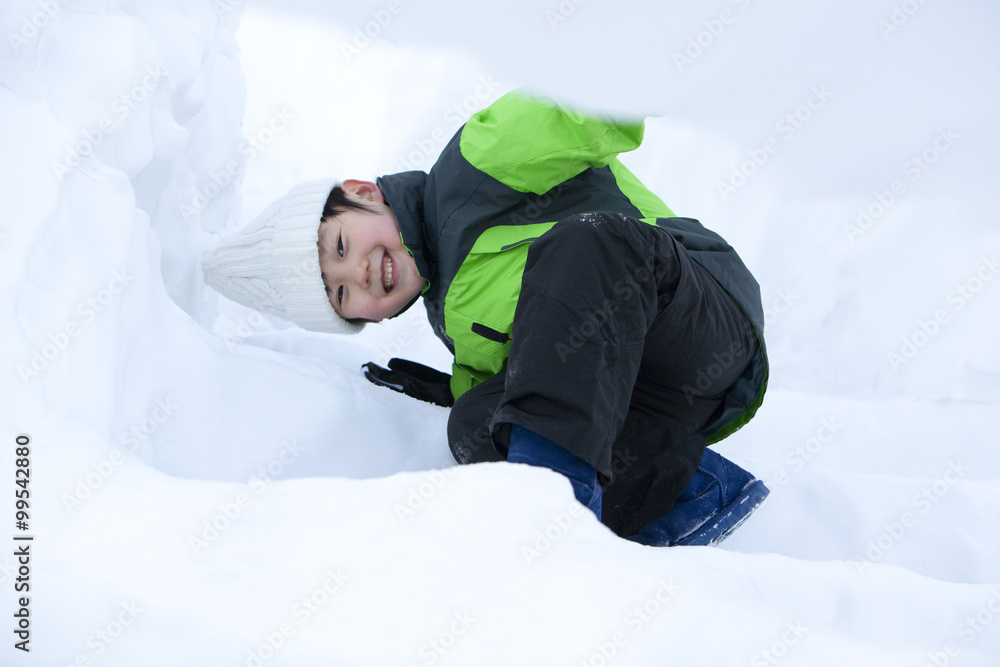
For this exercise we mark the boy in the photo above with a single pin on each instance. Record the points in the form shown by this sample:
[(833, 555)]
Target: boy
[(594, 333)]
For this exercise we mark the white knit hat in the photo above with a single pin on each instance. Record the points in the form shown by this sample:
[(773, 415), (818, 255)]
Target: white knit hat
[(273, 264)]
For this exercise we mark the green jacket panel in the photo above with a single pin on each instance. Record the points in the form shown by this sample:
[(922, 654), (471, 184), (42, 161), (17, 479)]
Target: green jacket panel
[(551, 144), (479, 308)]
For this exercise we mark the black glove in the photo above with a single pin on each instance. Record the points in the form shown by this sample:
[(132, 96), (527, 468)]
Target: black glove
[(413, 379)]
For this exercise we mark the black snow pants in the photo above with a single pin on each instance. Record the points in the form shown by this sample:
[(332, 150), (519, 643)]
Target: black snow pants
[(622, 350)]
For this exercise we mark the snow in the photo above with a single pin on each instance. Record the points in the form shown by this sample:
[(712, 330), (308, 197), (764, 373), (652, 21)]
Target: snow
[(210, 486)]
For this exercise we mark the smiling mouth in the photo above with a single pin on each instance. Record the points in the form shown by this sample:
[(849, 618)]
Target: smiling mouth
[(387, 281)]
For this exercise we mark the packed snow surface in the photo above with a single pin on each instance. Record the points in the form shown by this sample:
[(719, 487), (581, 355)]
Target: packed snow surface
[(213, 487)]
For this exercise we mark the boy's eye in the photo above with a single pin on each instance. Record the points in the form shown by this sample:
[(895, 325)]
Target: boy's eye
[(340, 295), (340, 246)]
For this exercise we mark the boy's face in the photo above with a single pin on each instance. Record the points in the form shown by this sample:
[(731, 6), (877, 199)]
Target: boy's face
[(367, 272)]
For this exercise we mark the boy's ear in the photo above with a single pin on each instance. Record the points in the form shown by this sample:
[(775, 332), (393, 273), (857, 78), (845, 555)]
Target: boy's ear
[(362, 189)]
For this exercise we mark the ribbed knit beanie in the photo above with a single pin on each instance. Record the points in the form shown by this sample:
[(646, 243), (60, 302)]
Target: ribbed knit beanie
[(273, 264)]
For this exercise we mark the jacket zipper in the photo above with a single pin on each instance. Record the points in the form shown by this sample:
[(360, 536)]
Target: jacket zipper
[(490, 334), (517, 243)]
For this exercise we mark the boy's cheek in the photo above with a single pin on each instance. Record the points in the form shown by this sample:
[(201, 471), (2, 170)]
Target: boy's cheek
[(380, 311)]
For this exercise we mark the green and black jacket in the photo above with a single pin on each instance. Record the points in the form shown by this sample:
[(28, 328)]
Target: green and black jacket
[(509, 174)]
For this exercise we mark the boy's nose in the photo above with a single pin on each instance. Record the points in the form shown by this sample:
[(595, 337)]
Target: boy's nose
[(363, 272)]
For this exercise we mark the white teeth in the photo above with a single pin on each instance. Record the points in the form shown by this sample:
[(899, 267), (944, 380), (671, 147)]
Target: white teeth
[(387, 282)]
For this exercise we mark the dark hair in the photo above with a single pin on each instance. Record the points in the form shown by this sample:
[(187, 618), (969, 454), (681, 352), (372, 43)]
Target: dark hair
[(338, 202)]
